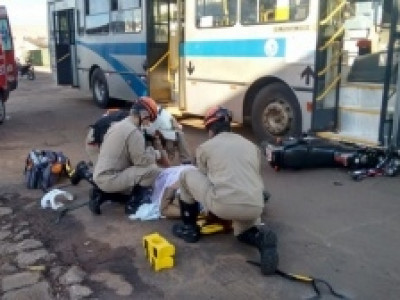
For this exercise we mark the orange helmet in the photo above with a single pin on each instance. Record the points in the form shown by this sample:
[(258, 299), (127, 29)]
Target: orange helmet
[(147, 105), (217, 113)]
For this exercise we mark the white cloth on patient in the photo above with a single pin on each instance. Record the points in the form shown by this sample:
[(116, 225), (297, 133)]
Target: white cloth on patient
[(166, 178)]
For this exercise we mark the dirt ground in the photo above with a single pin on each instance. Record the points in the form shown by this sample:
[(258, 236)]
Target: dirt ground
[(328, 226)]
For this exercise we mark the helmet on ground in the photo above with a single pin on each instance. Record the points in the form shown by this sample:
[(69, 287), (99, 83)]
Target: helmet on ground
[(145, 107), (217, 114)]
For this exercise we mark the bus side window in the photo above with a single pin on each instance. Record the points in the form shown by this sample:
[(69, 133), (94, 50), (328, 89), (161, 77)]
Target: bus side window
[(215, 13), (270, 11), (267, 11), (257, 11), (126, 16), (97, 19), (267, 14), (298, 10), (249, 12)]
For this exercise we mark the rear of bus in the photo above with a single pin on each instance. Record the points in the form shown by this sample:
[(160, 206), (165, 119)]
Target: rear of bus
[(9, 55)]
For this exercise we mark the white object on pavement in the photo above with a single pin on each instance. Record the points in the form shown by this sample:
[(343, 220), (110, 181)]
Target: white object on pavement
[(49, 199)]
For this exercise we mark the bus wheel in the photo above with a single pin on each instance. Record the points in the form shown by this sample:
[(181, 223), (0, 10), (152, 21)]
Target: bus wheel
[(100, 88), (2, 110), (276, 113)]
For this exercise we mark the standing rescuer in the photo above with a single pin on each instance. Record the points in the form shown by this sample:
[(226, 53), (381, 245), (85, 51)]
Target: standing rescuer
[(124, 161), (227, 183)]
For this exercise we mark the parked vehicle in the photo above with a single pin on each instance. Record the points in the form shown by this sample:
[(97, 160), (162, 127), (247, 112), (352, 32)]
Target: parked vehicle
[(279, 65), (2, 84), (27, 70), (8, 67)]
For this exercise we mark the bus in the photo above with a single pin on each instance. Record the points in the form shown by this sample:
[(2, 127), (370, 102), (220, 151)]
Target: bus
[(276, 64), (8, 66)]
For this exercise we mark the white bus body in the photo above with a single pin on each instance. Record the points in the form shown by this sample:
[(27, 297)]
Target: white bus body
[(256, 57)]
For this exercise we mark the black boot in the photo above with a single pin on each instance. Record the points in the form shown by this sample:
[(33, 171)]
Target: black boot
[(96, 199), (140, 195), (188, 230), (131, 206), (80, 172), (265, 241)]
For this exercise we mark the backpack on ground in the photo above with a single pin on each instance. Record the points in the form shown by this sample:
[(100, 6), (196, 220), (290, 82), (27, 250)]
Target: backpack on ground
[(43, 168), (101, 126)]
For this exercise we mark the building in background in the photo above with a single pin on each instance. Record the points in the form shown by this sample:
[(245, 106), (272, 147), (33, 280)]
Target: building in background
[(32, 43)]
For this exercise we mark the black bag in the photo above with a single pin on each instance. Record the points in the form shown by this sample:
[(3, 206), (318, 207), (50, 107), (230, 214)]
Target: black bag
[(312, 152), (101, 126)]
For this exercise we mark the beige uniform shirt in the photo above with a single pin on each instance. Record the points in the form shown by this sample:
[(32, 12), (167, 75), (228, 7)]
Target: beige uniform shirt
[(123, 147), (233, 165)]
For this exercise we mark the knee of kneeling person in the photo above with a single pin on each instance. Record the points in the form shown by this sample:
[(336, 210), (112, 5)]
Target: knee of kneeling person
[(183, 177), (149, 176)]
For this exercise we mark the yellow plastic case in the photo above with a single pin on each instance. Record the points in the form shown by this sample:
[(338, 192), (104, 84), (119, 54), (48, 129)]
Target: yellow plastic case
[(158, 251)]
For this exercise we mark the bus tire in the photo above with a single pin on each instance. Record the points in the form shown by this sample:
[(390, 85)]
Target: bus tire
[(2, 109), (100, 88), (276, 113)]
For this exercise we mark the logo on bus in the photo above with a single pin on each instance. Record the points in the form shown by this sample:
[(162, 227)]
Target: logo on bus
[(271, 47)]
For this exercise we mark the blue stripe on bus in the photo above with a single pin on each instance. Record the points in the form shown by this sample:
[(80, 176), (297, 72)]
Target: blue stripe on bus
[(108, 50), (236, 48)]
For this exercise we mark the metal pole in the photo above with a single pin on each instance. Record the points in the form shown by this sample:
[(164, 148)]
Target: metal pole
[(388, 73), (396, 114)]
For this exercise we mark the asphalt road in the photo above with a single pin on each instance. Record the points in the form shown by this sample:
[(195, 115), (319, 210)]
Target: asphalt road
[(328, 226)]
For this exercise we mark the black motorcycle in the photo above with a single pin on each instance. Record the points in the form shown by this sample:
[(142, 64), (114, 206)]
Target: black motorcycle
[(27, 70)]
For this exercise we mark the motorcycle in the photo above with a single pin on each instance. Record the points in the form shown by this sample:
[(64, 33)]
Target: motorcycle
[(27, 70)]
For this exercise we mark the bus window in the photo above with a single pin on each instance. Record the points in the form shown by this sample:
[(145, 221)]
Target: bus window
[(215, 13), (126, 16), (97, 16), (159, 19), (271, 11), (5, 35)]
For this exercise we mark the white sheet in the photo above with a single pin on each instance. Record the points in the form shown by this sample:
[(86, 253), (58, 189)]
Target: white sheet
[(166, 178)]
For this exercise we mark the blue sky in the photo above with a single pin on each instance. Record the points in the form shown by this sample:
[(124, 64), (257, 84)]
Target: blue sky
[(26, 12)]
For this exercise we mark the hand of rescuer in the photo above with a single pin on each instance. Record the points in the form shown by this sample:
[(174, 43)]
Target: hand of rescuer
[(156, 153)]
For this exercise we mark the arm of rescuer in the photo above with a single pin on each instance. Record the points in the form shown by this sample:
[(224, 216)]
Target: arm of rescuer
[(201, 160), (139, 154), (266, 194)]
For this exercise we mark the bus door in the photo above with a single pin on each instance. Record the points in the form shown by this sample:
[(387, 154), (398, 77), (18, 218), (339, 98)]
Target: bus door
[(161, 17), (65, 47), (328, 65)]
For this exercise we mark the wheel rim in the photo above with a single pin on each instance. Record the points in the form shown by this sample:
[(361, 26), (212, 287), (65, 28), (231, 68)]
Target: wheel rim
[(99, 90), (277, 117)]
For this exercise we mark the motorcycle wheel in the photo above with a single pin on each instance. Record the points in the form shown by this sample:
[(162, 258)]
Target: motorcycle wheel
[(31, 75)]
